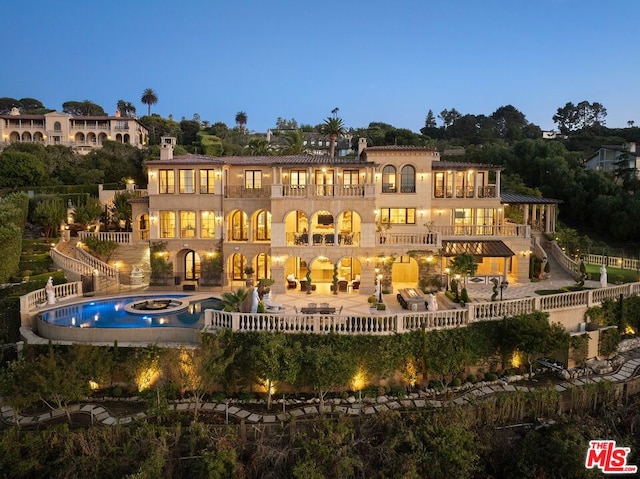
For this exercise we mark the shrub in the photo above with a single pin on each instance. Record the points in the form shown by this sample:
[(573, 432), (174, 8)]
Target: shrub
[(381, 307), (456, 382), (464, 295), (471, 378), (491, 377), (372, 299)]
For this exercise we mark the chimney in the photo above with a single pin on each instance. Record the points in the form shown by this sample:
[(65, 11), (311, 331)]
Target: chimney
[(632, 146), (166, 147), (362, 144), (117, 115)]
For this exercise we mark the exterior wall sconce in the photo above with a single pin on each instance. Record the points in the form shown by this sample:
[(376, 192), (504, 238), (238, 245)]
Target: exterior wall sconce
[(439, 212), (422, 176), (218, 219), (367, 259), (152, 174), (218, 173), (276, 259), (153, 218)]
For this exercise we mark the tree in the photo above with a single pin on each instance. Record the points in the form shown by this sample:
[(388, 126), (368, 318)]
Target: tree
[(241, 120), (532, 335), (88, 212), (294, 143), (571, 118), (189, 129), (449, 117), (198, 371), (259, 147), (20, 169), (430, 128), (326, 366), (284, 124), (50, 213), (233, 299), (126, 108), (463, 264), (120, 209), (509, 122), (334, 128), (7, 103), (273, 360), (58, 380), (83, 108), (149, 97)]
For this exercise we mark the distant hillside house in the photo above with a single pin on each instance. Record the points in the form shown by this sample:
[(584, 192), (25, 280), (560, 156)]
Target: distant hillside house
[(609, 158), (82, 133), (316, 143)]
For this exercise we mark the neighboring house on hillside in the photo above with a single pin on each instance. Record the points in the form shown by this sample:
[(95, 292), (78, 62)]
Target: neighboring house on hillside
[(316, 143), (82, 133), (609, 158), (397, 210)]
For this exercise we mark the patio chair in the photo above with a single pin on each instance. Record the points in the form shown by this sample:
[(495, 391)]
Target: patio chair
[(317, 239), (303, 238), (292, 282), (324, 305), (342, 285), (329, 238)]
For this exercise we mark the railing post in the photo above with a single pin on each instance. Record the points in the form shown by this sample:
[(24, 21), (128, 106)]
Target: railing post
[(470, 313)]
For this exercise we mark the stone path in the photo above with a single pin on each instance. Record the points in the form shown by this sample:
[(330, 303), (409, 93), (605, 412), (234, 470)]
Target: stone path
[(299, 409)]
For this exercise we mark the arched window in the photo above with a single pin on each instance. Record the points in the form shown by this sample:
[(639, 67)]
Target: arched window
[(262, 266), (57, 126), (263, 225), (191, 266), (239, 226), (238, 262), (408, 179), (389, 179)]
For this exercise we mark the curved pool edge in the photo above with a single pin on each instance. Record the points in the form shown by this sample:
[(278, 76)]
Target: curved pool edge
[(37, 331), (98, 336)]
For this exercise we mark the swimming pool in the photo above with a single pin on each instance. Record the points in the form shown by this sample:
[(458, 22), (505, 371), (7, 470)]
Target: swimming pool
[(129, 318)]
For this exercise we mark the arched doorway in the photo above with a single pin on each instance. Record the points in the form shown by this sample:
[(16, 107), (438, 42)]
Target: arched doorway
[(191, 265), (404, 272)]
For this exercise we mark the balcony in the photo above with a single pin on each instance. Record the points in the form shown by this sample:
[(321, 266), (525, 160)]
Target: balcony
[(509, 229), (425, 240), (313, 191), (231, 191), (323, 239), (488, 191)]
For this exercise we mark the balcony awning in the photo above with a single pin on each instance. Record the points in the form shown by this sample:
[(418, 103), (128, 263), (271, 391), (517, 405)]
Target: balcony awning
[(482, 249)]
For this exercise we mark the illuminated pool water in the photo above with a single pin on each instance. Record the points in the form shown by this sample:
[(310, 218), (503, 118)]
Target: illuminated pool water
[(116, 313)]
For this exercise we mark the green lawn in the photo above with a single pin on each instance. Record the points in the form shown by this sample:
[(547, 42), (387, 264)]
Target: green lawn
[(614, 275)]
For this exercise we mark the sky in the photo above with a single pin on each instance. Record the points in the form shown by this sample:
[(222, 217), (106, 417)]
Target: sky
[(376, 61)]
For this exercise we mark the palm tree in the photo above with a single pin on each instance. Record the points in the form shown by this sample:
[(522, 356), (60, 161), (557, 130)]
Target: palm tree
[(241, 120), (259, 147), (233, 299), (126, 108), (295, 143), (334, 128), (149, 98)]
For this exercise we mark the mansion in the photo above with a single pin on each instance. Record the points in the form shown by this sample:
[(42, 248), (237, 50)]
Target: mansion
[(391, 213), (82, 133)]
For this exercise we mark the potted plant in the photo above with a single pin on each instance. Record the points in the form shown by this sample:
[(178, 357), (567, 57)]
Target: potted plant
[(248, 270), (308, 282), (372, 300), (381, 307), (335, 279)]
